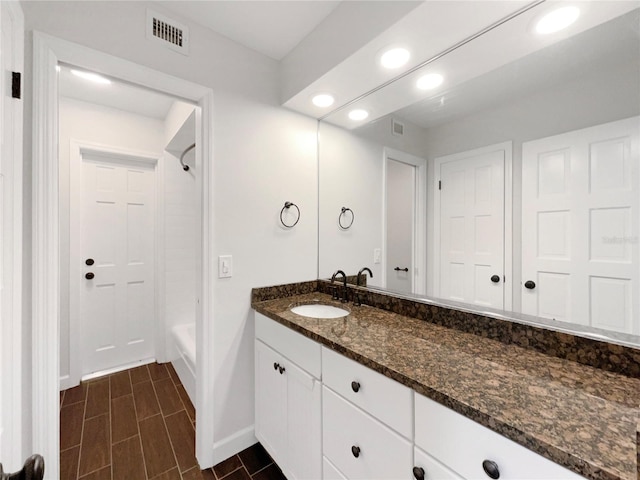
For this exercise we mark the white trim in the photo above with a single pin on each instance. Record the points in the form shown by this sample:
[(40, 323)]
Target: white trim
[(120, 368), (12, 368), (232, 444), (507, 149), (78, 148), (419, 241), (47, 51)]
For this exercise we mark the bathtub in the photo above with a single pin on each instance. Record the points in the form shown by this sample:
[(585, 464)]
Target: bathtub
[(184, 357)]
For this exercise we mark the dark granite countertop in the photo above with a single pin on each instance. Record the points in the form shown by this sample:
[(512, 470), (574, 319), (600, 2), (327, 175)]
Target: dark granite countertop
[(579, 416)]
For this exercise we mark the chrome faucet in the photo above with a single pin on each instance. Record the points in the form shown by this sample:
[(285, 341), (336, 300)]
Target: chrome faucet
[(344, 285)]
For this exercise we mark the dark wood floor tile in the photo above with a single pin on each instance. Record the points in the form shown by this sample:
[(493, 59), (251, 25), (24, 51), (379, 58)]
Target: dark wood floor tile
[(255, 458), (97, 398), (272, 472), (75, 394), (173, 374), (186, 401), (158, 371), (120, 384), (102, 474), (139, 374), (156, 447), (183, 439), (69, 463), (240, 474), (124, 423), (71, 418), (95, 451), (196, 474), (145, 399), (227, 466), (61, 398), (172, 474), (168, 397), (128, 462), (208, 474)]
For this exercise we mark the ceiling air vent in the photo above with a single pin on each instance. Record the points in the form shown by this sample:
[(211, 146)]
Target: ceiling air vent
[(397, 128), (168, 32)]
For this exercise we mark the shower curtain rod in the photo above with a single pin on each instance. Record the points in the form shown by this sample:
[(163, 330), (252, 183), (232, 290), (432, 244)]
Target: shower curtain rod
[(187, 150)]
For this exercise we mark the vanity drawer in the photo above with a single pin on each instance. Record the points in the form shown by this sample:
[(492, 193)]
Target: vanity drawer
[(301, 350), (384, 398), (330, 472), (463, 445), (431, 468), (359, 446)]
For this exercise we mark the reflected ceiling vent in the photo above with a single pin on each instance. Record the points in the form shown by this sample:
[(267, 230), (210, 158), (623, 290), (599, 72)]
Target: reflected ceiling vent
[(397, 128), (168, 32)]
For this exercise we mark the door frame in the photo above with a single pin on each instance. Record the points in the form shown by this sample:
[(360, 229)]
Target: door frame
[(507, 149), (12, 366), (419, 241), (47, 52), (77, 148)]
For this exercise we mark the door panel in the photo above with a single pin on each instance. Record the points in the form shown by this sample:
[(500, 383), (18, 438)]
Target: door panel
[(117, 232), (580, 226), (400, 225), (471, 229)]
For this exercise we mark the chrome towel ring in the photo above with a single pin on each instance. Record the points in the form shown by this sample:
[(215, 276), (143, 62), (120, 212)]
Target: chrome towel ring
[(288, 205), (343, 213)]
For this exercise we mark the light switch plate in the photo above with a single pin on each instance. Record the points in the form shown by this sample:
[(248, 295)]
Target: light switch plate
[(376, 255), (225, 266)]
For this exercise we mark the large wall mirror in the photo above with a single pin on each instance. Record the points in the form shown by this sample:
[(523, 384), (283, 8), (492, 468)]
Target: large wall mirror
[(509, 184)]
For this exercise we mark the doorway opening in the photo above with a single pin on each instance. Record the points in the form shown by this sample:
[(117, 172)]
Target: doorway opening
[(49, 53)]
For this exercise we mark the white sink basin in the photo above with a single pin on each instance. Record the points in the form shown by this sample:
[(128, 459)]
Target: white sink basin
[(320, 311)]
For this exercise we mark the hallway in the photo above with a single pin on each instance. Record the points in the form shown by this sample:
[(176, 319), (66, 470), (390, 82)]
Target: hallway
[(139, 424)]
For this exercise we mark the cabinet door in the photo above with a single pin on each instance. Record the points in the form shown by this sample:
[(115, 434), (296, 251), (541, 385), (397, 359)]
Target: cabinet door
[(271, 403), (303, 425)]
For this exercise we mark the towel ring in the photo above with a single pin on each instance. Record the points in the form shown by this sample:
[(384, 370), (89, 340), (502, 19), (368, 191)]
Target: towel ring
[(343, 211), (287, 205)]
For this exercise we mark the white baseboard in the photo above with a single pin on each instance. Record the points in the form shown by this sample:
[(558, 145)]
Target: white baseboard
[(65, 382), (233, 444)]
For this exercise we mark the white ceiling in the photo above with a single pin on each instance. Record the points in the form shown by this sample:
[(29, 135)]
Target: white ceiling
[(273, 28), (120, 95)]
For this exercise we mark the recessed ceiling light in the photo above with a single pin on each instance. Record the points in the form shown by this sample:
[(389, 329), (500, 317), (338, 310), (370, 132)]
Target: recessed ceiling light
[(358, 114), (395, 58), (429, 81), (94, 77), (557, 20), (323, 100)]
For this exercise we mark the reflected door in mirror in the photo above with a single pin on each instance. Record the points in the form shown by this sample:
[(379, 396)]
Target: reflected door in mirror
[(580, 226), (471, 227), (400, 200)]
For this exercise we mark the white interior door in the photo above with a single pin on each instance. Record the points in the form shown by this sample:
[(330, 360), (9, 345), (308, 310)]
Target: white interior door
[(400, 208), (470, 227), (117, 235), (580, 227)]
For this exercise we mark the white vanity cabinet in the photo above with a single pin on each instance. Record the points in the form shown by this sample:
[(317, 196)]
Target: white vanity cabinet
[(476, 452), (288, 399)]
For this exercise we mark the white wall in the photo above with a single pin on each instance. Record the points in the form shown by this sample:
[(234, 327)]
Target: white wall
[(87, 122), (263, 155), (181, 217), (350, 176)]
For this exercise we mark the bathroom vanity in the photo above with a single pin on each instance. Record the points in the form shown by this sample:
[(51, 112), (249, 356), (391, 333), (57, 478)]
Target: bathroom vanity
[(377, 394)]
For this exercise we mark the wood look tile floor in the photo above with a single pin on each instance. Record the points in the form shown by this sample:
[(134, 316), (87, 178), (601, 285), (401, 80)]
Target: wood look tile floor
[(139, 424)]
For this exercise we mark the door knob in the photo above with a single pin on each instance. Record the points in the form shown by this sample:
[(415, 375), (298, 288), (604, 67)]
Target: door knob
[(398, 269), (89, 275), (89, 261), (495, 278), (530, 284)]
